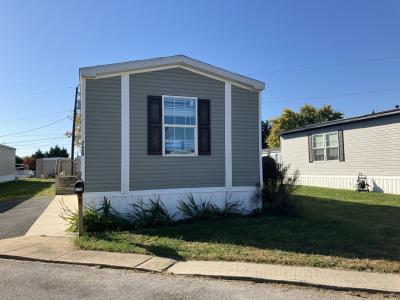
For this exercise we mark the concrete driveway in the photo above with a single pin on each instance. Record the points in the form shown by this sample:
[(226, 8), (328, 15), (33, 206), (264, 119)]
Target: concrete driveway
[(17, 216)]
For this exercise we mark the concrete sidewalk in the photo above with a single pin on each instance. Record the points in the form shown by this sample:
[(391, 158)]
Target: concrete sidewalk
[(61, 249), (50, 223)]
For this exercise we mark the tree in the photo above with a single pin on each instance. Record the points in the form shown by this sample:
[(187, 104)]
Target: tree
[(78, 136), (56, 152), (30, 161), (307, 115), (18, 160), (38, 154), (265, 130)]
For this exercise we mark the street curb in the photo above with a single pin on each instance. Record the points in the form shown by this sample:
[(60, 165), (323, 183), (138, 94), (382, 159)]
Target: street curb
[(63, 262), (289, 282), (224, 277)]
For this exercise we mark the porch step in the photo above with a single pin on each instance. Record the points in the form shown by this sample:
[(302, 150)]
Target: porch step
[(65, 185)]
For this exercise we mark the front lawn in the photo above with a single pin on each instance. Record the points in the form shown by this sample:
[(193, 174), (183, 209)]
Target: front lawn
[(339, 229), (26, 188)]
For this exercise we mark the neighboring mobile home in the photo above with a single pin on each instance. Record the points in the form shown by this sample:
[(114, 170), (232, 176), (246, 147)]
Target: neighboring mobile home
[(7, 163), (168, 127), (332, 154), (52, 166)]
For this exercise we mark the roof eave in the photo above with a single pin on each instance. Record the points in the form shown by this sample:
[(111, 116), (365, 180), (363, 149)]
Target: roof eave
[(101, 70), (344, 121)]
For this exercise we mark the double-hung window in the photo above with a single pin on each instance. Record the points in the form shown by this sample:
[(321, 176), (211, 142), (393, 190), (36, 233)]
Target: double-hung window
[(325, 146), (332, 146), (179, 126), (318, 147)]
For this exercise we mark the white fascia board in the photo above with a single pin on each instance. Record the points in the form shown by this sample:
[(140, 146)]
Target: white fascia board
[(180, 60)]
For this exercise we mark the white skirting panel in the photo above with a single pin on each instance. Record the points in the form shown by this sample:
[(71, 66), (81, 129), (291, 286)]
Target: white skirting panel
[(6, 178), (246, 196), (386, 184)]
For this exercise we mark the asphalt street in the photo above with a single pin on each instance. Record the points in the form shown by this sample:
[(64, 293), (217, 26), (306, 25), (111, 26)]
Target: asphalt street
[(37, 280), (17, 216)]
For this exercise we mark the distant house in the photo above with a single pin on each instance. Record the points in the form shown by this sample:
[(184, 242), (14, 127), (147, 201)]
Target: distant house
[(7, 163), (168, 127), (332, 154)]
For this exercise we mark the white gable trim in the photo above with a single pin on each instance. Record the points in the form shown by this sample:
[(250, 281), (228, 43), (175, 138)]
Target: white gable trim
[(163, 63), (173, 67)]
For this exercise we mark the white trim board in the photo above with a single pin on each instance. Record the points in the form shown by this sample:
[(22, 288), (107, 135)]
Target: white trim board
[(125, 133), (83, 125), (260, 150), (228, 135)]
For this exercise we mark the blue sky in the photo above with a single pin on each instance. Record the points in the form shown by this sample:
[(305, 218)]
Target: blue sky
[(303, 50)]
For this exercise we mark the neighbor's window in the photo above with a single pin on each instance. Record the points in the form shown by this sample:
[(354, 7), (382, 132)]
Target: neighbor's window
[(325, 146), (179, 125), (332, 146), (318, 147)]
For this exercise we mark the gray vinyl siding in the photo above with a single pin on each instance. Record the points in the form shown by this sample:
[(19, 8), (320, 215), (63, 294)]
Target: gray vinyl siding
[(7, 161), (158, 172), (371, 147), (103, 135), (245, 137)]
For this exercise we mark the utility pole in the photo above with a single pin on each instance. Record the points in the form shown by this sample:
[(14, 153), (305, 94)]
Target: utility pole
[(73, 132)]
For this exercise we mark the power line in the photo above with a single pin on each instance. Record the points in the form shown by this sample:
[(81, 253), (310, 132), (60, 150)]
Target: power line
[(37, 128), (37, 93), (356, 62), (334, 96), (35, 117), (24, 141)]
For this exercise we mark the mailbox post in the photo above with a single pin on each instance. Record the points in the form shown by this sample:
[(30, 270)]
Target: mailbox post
[(79, 188)]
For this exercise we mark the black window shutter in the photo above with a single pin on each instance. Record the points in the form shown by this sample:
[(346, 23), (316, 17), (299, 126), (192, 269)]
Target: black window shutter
[(341, 145), (204, 127), (154, 127), (310, 151)]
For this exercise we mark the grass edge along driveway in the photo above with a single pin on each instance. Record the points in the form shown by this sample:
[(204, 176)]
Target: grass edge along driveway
[(26, 188), (340, 229)]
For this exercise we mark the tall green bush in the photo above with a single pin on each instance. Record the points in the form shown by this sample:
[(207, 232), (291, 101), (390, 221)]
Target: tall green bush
[(277, 189)]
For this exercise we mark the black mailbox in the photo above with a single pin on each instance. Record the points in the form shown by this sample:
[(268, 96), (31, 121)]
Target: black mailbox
[(79, 187)]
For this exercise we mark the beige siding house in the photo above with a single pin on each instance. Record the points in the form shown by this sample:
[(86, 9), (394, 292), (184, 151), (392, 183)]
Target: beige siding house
[(7, 163), (332, 154)]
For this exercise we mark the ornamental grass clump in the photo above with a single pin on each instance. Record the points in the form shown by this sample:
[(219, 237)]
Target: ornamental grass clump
[(149, 214), (105, 218)]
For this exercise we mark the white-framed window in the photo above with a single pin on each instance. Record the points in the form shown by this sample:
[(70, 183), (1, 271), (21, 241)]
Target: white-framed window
[(179, 119), (318, 147), (332, 146), (325, 146)]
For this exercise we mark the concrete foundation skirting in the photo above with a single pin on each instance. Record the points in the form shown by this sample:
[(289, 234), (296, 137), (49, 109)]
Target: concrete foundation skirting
[(386, 184)]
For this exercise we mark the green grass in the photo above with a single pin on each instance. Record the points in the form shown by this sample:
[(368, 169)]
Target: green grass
[(26, 188), (339, 229)]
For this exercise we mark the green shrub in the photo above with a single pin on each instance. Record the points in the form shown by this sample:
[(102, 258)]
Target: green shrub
[(151, 214), (104, 218), (277, 189)]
